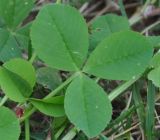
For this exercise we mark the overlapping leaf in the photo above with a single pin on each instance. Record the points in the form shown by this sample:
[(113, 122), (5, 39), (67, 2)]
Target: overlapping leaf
[(104, 26), (9, 125), (17, 78), (154, 40), (48, 77), (87, 106), (122, 56), (154, 76), (12, 13), (155, 61), (53, 106), (60, 37)]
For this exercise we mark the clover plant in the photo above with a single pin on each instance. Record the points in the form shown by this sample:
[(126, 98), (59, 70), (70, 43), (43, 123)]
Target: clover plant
[(60, 39)]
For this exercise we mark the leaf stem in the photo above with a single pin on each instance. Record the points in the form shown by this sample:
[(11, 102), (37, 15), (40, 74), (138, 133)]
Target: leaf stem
[(27, 129), (138, 15), (32, 58), (150, 27), (122, 8), (59, 132), (53, 93), (4, 99), (71, 134), (28, 114), (115, 93)]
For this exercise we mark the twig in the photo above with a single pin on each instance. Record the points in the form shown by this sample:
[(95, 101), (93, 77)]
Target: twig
[(83, 8), (126, 131), (92, 8), (151, 26)]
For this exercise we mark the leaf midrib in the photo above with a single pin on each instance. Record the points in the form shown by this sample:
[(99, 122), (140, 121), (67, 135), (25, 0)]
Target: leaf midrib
[(115, 60), (63, 39), (2, 46), (85, 103), (26, 82)]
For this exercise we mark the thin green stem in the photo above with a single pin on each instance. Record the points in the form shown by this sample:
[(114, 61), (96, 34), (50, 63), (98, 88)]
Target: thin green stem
[(32, 58), (139, 104), (53, 93), (59, 132), (71, 134), (28, 114), (122, 8), (97, 79), (4, 99), (150, 120), (27, 129), (135, 19), (115, 93), (138, 15), (150, 26)]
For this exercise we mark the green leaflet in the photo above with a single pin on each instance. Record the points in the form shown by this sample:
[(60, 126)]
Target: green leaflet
[(22, 68), (154, 40), (104, 26), (60, 37), (13, 12), (9, 125), (53, 106), (87, 106), (122, 56), (17, 78), (154, 76), (8, 46), (12, 43), (48, 77), (155, 61), (22, 36)]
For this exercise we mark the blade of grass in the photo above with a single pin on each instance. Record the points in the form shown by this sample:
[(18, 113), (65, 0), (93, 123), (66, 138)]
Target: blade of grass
[(71, 134), (126, 131), (120, 89), (122, 8), (150, 111), (124, 115), (60, 131), (103, 137), (138, 102), (4, 99)]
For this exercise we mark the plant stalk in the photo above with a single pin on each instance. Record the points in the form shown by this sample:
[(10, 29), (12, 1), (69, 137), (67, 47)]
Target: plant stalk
[(4, 99), (27, 129), (28, 114), (53, 93), (150, 120), (71, 134), (32, 58), (115, 93)]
